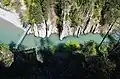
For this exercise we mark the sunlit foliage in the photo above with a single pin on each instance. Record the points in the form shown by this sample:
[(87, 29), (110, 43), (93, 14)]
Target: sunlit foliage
[(90, 48), (104, 49), (78, 12), (6, 2), (6, 56), (73, 42)]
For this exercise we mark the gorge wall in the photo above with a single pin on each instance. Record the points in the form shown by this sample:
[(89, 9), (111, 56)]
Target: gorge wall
[(68, 17)]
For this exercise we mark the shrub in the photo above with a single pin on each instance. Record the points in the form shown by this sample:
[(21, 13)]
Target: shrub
[(6, 56), (73, 43), (90, 48), (6, 2)]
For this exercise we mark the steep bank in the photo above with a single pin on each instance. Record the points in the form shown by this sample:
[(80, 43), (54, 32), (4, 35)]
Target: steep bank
[(68, 17), (11, 17)]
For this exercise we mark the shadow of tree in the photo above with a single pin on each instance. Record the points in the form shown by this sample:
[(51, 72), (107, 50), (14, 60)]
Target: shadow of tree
[(66, 63), (12, 45), (22, 47)]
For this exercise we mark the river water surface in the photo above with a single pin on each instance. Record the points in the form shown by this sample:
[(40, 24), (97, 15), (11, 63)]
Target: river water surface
[(9, 32)]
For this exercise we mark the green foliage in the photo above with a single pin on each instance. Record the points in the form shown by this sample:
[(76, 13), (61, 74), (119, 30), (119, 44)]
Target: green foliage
[(6, 2), (16, 5), (52, 48), (111, 38), (13, 4), (90, 48), (75, 15), (81, 8), (99, 11), (33, 12), (74, 43), (96, 13), (58, 10), (70, 66), (37, 10), (6, 56), (46, 5), (61, 48), (115, 7), (4, 47), (104, 49), (110, 12)]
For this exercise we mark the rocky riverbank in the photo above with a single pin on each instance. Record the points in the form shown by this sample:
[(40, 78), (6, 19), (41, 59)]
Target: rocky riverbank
[(11, 17), (84, 22)]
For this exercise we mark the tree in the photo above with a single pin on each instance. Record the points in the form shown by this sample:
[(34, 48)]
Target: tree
[(33, 12), (6, 56), (99, 67), (73, 42), (6, 2), (104, 49), (107, 32), (114, 10), (58, 10), (77, 13), (90, 48)]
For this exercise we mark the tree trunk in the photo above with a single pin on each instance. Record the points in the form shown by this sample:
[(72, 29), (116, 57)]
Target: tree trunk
[(91, 29), (78, 32), (87, 22), (74, 31), (46, 28), (94, 29)]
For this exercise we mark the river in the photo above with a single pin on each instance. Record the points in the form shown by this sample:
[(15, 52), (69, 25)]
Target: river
[(9, 32)]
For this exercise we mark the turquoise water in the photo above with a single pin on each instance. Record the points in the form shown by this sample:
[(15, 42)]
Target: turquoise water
[(32, 41), (9, 33)]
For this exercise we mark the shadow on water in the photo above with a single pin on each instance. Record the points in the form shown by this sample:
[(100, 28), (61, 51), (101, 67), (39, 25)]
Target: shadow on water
[(12, 45), (24, 62), (65, 63), (26, 66)]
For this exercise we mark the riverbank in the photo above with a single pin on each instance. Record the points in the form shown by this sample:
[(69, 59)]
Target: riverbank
[(9, 32), (11, 17)]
